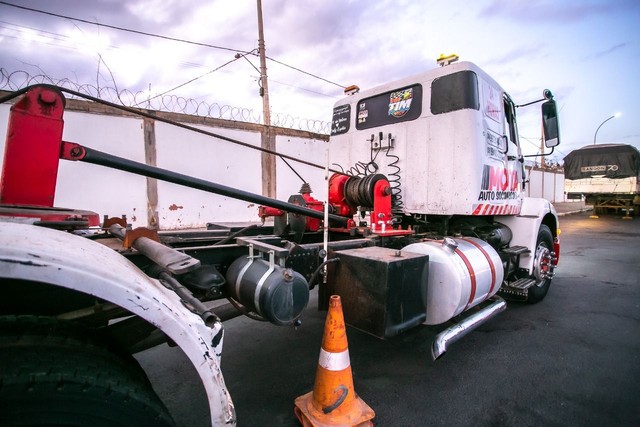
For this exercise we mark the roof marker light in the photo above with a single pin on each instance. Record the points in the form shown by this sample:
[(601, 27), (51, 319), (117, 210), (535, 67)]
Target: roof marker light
[(351, 90), (447, 59)]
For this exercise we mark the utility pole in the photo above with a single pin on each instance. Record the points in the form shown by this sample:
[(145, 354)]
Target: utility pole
[(542, 147), (267, 142)]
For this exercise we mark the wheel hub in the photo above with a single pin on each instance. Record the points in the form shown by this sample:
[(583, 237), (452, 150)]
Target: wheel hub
[(543, 265)]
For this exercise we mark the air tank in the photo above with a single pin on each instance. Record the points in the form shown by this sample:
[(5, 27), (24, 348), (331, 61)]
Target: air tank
[(463, 272), (278, 294)]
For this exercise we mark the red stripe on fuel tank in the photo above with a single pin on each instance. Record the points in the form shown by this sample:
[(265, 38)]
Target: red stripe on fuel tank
[(491, 266), (472, 275)]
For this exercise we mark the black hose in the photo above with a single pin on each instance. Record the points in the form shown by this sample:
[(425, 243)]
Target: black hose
[(187, 297), (316, 273), (234, 235), (15, 94), (359, 191), (19, 92), (241, 308)]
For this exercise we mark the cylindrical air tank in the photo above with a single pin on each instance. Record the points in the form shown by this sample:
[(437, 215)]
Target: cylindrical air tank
[(463, 272), (278, 294)]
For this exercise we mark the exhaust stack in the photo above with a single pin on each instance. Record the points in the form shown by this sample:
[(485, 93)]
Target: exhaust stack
[(453, 333)]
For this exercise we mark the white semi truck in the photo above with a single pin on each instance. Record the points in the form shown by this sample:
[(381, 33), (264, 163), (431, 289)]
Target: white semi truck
[(425, 219)]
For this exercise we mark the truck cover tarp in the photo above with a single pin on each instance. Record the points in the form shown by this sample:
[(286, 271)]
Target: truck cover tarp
[(609, 160)]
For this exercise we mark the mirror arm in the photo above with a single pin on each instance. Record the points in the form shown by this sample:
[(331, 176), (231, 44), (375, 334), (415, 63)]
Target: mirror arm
[(546, 96), (542, 154), (531, 103)]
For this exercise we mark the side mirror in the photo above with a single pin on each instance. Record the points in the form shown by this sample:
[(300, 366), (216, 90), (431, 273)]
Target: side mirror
[(550, 123)]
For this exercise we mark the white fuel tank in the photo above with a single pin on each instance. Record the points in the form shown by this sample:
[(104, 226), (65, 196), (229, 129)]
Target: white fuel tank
[(463, 272)]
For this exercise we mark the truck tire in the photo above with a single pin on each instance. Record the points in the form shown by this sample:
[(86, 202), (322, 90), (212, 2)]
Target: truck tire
[(56, 373), (544, 247)]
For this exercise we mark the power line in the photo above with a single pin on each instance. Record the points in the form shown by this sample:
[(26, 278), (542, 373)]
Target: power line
[(528, 139), (305, 72), (65, 39), (21, 29), (304, 89), (193, 79), (48, 37), (166, 38), (122, 28)]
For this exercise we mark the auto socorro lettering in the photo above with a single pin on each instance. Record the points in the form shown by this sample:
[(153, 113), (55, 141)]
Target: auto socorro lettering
[(498, 184)]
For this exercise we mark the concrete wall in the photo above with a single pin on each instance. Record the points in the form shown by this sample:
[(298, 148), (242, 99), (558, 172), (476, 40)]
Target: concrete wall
[(147, 202), (547, 184)]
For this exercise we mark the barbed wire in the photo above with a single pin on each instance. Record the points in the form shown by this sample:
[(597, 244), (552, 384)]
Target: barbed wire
[(16, 80)]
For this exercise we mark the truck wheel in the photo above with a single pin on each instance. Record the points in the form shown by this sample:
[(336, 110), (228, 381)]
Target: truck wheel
[(57, 373), (541, 266)]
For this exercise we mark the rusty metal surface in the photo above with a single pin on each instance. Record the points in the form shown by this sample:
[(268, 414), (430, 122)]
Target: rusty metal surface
[(132, 235), (147, 242), (108, 222)]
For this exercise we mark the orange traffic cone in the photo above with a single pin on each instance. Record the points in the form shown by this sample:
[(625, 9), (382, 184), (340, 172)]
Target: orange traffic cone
[(333, 401)]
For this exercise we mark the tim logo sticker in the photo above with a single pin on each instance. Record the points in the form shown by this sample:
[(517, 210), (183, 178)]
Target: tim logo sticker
[(400, 102)]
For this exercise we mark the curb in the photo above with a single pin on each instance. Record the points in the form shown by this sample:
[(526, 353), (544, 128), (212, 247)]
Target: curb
[(575, 212)]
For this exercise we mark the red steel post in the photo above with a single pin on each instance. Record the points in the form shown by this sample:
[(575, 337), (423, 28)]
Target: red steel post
[(32, 150)]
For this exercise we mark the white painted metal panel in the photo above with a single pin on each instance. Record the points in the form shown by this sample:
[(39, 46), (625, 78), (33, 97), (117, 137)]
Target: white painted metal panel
[(535, 183), (210, 159), (311, 150), (559, 190), (97, 188), (548, 185)]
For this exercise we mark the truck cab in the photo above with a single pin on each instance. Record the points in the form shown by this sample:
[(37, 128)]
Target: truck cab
[(447, 138), (447, 141)]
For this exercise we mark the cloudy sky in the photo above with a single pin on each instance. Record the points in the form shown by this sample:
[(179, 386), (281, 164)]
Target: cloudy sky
[(586, 51)]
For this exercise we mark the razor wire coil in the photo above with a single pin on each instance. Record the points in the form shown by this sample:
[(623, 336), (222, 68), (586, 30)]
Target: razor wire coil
[(16, 80)]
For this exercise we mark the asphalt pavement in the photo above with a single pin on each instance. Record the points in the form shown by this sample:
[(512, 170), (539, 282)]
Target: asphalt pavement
[(572, 359)]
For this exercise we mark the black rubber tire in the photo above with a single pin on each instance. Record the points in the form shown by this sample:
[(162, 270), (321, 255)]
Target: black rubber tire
[(57, 373), (538, 292)]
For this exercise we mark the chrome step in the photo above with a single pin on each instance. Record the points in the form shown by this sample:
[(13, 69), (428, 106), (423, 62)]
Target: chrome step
[(522, 284)]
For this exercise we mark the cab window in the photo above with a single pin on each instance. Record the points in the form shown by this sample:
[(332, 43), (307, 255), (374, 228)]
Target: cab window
[(454, 92), (510, 121)]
